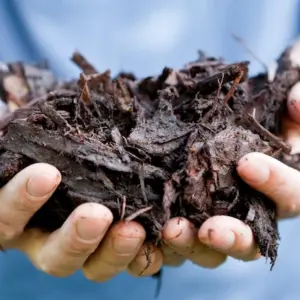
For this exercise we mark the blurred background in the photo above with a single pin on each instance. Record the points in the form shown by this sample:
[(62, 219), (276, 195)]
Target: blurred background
[(143, 37)]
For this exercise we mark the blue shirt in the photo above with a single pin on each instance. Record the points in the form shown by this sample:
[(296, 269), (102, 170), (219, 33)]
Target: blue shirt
[(143, 37)]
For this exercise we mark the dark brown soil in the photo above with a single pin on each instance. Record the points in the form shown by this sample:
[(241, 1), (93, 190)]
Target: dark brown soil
[(153, 148)]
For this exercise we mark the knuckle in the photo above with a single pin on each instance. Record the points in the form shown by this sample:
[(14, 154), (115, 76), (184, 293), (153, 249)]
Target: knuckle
[(98, 269), (26, 203), (78, 249), (115, 266), (113, 261)]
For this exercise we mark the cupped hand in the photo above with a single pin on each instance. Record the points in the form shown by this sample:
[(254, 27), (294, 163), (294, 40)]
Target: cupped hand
[(86, 241), (223, 236)]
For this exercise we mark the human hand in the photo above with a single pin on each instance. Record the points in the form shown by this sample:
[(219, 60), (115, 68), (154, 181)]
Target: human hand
[(223, 236), (105, 251), (75, 245)]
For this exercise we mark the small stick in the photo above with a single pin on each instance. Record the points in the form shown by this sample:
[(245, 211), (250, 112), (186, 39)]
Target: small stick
[(242, 42), (234, 202), (54, 116), (215, 105), (276, 154), (83, 63), (84, 93), (210, 84), (138, 213), (148, 258), (159, 283), (179, 136), (233, 87), (123, 208), (268, 135), (142, 182)]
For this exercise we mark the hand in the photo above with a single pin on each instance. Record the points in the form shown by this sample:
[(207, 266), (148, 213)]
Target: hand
[(75, 245), (85, 242), (223, 236)]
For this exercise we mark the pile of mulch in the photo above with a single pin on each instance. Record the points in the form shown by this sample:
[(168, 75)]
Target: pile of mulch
[(152, 148)]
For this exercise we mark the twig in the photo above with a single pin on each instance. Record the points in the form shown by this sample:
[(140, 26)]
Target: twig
[(159, 282), (210, 84), (242, 42), (215, 105), (54, 116), (234, 86), (142, 182), (179, 136), (83, 64), (268, 135), (234, 202), (138, 213), (123, 208), (148, 259)]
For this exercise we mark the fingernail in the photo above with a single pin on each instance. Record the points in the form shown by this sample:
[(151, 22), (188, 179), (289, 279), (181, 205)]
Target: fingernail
[(89, 229), (227, 241), (43, 184), (125, 246), (253, 170), (223, 241)]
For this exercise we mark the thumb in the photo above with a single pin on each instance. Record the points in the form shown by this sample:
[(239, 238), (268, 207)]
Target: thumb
[(277, 181)]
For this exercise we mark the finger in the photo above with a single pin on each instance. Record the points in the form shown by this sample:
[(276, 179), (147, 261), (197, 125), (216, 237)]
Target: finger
[(291, 133), (147, 262), (204, 256), (274, 179), (181, 235), (171, 257), (65, 251), (229, 236), (293, 103), (120, 246), (23, 195), (291, 121)]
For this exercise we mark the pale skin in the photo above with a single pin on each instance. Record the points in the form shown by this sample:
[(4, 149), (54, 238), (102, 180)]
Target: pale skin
[(87, 242)]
